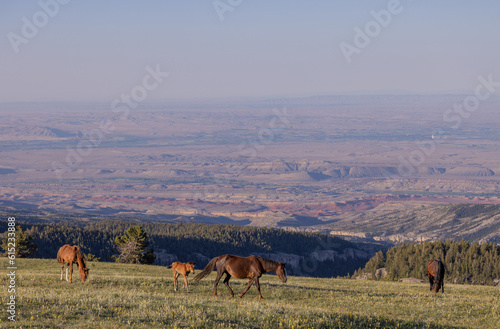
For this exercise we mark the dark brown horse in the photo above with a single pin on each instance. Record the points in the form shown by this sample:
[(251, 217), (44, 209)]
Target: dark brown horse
[(70, 255), (435, 272), (251, 267), (184, 269)]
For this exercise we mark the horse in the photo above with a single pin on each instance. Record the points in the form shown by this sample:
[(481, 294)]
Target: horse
[(435, 272), (251, 267), (184, 269), (72, 254)]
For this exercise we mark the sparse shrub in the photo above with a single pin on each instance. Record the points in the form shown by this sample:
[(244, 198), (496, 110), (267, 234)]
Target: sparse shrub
[(92, 258)]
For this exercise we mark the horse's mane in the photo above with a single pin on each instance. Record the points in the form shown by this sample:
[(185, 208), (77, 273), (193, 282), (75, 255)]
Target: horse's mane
[(439, 275), (80, 257), (267, 263)]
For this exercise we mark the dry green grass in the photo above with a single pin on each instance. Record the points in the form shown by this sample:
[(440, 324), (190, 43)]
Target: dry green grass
[(122, 296)]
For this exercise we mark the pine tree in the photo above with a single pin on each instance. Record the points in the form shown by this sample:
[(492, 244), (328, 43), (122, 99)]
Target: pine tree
[(22, 242), (378, 261), (132, 247)]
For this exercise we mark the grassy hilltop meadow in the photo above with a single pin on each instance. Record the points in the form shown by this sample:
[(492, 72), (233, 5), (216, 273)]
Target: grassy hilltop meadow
[(142, 296)]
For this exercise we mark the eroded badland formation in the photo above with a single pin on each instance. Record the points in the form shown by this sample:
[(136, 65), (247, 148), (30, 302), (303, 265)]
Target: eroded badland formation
[(392, 168)]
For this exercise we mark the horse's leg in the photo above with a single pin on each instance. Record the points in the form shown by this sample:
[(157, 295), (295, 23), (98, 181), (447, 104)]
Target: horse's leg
[(216, 282), (62, 270), (70, 272), (226, 282), (258, 287), (67, 272), (176, 283), (186, 282), (431, 281), (248, 287), (442, 286)]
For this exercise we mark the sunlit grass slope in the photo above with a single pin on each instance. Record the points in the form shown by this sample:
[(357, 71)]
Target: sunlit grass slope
[(141, 296)]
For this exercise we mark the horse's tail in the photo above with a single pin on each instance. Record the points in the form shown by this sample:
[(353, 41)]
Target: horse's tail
[(206, 271), (59, 258), (169, 266)]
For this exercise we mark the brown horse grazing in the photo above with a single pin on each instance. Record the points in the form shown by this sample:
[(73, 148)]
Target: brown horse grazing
[(72, 254), (435, 272), (184, 269), (251, 267)]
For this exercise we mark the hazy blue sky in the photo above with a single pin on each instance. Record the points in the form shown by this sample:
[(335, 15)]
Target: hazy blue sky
[(97, 50)]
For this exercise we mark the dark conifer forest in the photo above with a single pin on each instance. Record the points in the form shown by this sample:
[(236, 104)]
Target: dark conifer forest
[(465, 262)]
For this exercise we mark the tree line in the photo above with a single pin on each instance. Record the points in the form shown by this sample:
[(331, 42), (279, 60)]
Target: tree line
[(465, 262), (110, 240)]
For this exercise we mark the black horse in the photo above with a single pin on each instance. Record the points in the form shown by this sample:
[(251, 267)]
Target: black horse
[(435, 272)]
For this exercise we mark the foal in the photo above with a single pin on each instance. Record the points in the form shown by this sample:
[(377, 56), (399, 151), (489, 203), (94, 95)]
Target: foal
[(184, 269)]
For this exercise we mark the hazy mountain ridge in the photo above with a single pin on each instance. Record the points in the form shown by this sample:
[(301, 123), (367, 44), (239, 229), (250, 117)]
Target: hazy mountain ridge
[(34, 132), (471, 222)]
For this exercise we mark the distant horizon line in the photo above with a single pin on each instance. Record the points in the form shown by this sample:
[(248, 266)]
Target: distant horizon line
[(256, 98)]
